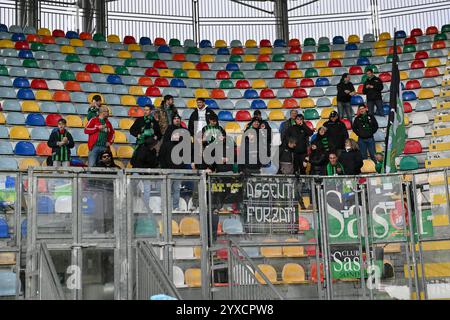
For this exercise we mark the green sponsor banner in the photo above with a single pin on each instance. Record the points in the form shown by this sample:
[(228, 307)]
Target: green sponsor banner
[(346, 262)]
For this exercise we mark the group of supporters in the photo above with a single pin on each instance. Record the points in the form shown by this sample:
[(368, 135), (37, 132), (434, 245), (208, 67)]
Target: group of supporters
[(160, 130)]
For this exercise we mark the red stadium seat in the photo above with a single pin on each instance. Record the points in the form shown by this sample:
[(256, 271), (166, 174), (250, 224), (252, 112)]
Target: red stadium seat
[(290, 83), (129, 40), (439, 45), (153, 92), (281, 74), (355, 70), (22, 45), (159, 64), (432, 30), (92, 68), (265, 43), (43, 149), (151, 72), (159, 42), (417, 64), (294, 43), (72, 86), (307, 83), (407, 108), (217, 94), (413, 84), (52, 120), (299, 93), (310, 125), (135, 112), (145, 81), (360, 89), (243, 115), (179, 57), (222, 75), (237, 51), (417, 32), (264, 58), (202, 66), (83, 77), (334, 63), (291, 65), (431, 73), (347, 123), (61, 96), (85, 36), (399, 50), (242, 84), (267, 94), (307, 57), (161, 82), (33, 38), (410, 40), (39, 84), (58, 33), (48, 40), (385, 77), (295, 50), (412, 147), (422, 55), (290, 103)]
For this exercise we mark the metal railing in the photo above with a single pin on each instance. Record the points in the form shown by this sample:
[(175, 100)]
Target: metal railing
[(49, 286), (151, 279)]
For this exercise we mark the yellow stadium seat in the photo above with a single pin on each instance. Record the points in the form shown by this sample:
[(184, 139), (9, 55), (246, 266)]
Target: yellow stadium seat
[(113, 151), (404, 75), (353, 39), (251, 43), (249, 58), (297, 251), (220, 44), (207, 58), (120, 137), (334, 102), (134, 47), (194, 74), (337, 55), (326, 72), (107, 69), (125, 152), (44, 32), (385, 36), (136, 90), (320, 123), (443, 105), (25, 163), (265, 50), (7, 44), (119, 164), (406, 120), (188, 65), (271, 252), (274, 104), (157, 102), (306, 201), (269, 272), (2, 118), (125, 124), (435, 62), (166, 73), (30, 106), (175, 227), (232, 127), (76, 43), (83, 150), (379, 148), (293, 273), (191, 103), (294, 74), (193, 277), (276, 115), (19, 133), (197, 252), (307, 103), (74, 121), (113, 38), (426, 94), (368, 166), (128, 100), (259, 84), (190, 226), (201, 93), (353, 136), (124, 54), (320, 64), (381, 52), (325, 114), (67, 49), (43, 95), (380, 44)]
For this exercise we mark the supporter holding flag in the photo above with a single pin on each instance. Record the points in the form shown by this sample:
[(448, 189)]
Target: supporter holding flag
[(94, 107), (351, 158), (101, 135), (334, 167), (61, 142), (336, 132)]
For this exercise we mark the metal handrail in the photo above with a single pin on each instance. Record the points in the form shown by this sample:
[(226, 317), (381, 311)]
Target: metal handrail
[(50, 278), (156, 270)]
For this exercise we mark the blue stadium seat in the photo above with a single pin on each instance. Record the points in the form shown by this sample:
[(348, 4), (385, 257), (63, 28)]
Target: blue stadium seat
[(258, 104), (386, 109), (351, 46), (205, 44), (143, 41), (363, 61), (25, 54), (279, 43), (164, 49), (223, 51), (338, 40), (211, 103), (232, 67), (356, 100), (225, 116), (322, 82), (4, 228), (3, 28), (35, 119), (251, 94), (45, 205), (114, 79), (72, 35), (18, 37), (400, 34), (177, 83), (21, 82), (24, 148), (6, 148), (143, 101), (25, 94), (409, 96)]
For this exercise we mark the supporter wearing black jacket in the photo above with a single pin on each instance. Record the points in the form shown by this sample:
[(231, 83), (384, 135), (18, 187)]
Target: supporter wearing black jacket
[(318, 160), (288, 123), (351, 158), (201, 115), (170, 140), (372, 89), (364, 126), (301, 133), (286, 157), (345, 91), (337, 132)]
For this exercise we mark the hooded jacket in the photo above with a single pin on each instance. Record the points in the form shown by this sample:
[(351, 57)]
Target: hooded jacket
[(342, 87), (301, 135), (361, 131), (337, 134), (375, 92), (351, 161)]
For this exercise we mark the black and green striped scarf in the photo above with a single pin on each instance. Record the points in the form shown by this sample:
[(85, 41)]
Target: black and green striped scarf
[(62, 153), (102, 135), (147, 130), (212, 133), (365, 122), (325, 144), (331, 170)]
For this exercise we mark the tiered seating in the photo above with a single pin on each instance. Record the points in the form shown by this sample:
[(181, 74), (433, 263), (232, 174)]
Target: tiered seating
[(47, 75)]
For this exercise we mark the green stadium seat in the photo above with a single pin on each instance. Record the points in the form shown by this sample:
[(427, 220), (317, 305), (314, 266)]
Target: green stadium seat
[(409, 163)]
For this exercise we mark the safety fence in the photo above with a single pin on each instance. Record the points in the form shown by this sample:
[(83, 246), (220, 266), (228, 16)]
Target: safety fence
[(49, 285), (226, 236)]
